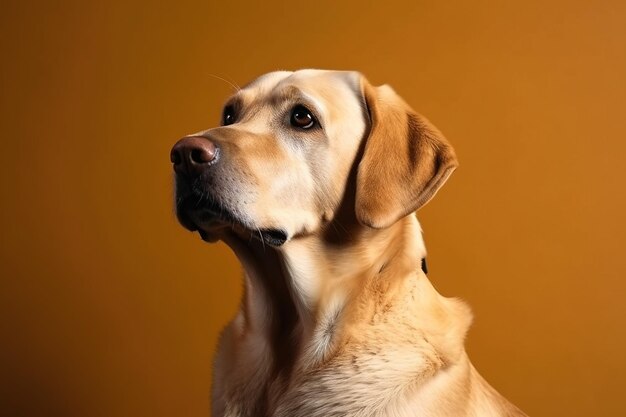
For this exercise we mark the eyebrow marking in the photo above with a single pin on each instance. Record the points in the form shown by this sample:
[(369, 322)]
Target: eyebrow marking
[(294, 94)]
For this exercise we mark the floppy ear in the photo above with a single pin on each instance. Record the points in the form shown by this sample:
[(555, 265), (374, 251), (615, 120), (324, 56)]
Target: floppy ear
[(405, 161)]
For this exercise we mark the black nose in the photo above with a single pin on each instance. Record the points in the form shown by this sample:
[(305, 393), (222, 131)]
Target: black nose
[(192, 155)]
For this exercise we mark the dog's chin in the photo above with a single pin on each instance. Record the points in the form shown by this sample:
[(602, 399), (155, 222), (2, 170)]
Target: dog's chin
[(213, 222), (207, 225)]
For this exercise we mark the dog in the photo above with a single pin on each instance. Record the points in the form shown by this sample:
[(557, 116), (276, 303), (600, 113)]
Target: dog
[(313, 180)]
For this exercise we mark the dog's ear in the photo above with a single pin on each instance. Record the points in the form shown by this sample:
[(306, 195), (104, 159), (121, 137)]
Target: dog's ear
[(405, 160)]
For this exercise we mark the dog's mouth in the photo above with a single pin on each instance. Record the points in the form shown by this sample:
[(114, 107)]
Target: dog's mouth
[(274, 237), (196, 212), (210, 218)]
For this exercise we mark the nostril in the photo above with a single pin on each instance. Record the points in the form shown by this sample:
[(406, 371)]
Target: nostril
[(175, 157), (204, 153), (199, 156)]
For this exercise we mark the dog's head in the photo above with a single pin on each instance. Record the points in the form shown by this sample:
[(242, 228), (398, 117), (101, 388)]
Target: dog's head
[(279, 165)]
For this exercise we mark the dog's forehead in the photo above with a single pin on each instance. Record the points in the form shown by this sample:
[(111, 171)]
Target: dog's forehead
[(322, 84)]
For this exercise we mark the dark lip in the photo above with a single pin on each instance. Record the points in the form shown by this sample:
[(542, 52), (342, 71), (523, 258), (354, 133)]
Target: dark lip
[(204, 214), (274, 237), (199, 210)]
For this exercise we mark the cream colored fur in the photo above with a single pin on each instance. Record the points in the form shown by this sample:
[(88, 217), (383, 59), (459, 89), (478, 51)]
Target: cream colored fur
[(339, 320)]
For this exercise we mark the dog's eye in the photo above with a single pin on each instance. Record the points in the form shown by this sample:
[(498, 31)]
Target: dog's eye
[(228, 118), (302, 118)]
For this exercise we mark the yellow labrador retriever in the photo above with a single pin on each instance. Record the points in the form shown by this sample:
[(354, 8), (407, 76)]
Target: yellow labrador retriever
[(313, 179)]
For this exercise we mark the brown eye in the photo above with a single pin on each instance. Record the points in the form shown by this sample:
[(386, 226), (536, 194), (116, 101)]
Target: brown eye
[(228, 118), (302, 118)]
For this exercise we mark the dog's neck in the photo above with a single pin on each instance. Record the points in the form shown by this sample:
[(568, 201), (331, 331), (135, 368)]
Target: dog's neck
[(325, 275), (295, 293)]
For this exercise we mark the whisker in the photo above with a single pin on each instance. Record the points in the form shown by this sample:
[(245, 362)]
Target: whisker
[(261, 237), (231, 83)]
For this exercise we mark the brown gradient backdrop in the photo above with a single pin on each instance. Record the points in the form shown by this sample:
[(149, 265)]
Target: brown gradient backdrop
[(109, 308)]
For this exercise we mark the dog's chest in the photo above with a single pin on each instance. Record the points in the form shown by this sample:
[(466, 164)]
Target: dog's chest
[(378, 369), (363, 380)]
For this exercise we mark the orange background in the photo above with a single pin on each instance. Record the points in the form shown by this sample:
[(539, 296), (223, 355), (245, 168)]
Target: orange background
[(109, 308)]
